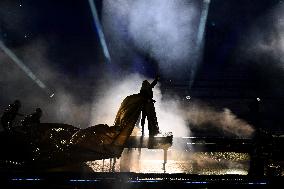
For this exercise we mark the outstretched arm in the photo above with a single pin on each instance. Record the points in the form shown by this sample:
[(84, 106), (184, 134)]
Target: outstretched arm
[(155, 82)]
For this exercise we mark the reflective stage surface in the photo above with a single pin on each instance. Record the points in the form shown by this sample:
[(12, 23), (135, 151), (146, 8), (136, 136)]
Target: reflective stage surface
[(151, 161)]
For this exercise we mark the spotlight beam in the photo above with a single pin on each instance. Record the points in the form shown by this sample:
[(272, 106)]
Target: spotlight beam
[(203, 19), (199, 41), (100, 30), (23, 67)]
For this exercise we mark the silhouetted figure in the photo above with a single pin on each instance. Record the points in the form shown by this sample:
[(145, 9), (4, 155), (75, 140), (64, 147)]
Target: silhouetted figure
[(10, 114), (32, 119), (147, 92)]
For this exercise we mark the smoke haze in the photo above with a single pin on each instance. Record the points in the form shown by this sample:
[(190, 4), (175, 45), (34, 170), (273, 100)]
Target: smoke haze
[(68, 107), (168, 111), (163, 29), (65, 107), (207, 118), (171, 114), (265, 40)]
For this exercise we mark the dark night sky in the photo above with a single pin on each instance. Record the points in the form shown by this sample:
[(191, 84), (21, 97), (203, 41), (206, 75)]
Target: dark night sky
[(73, 48), (66, 25)]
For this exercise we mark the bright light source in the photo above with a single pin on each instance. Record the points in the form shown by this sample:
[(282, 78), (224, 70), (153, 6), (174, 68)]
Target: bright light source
[(236, 172), (188, 97), (258, 99)]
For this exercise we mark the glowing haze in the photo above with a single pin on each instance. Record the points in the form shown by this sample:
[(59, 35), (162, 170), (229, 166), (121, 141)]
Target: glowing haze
[(163, 29), (169, 114), (207, 118)]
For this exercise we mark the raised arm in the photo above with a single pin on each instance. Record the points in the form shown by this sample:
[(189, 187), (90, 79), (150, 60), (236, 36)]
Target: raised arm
[(155, 81)]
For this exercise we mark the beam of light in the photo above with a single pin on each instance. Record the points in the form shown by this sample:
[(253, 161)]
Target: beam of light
[(203, 19), (100, 30), (22, 66), (200, 39)]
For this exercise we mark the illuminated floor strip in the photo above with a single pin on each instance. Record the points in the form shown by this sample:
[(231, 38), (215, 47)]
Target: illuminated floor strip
[(154, 181), (26, 179), (83, 180)]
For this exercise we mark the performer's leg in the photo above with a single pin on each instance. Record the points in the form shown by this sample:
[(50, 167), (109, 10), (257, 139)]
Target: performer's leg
[(143, 121), (152, 119)]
